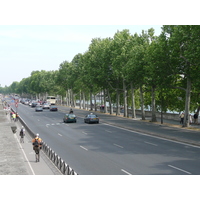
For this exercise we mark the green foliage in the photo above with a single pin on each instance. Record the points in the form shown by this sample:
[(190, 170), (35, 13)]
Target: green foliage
[(163, 62)]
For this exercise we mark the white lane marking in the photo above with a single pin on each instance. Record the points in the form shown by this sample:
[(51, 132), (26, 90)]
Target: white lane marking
[(118, 146), (52, 124), (126, 172), (151, 143), (139, 133), (84, 133), (38, 120), (179, 169), (84, 148), (25, 156), (59, 134), (47, 125), (57, 123), (108, 131)]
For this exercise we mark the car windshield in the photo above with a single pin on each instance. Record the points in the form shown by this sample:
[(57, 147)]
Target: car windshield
[(71, 115), (92, 116)]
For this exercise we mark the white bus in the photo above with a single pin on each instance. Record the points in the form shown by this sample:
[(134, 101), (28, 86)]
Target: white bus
[(51, 100)]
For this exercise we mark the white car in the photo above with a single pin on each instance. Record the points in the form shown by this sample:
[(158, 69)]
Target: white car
[(46, 106)]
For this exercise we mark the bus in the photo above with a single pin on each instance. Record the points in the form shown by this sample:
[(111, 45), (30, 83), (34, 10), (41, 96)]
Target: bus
[(51, 100)]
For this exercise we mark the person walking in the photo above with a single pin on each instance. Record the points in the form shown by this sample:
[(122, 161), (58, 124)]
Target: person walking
[(182, 118), (22, 134), (196, 118)]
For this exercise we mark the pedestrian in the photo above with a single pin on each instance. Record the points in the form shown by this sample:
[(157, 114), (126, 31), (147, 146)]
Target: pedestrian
[(190, 117), (22, 134), (14, 117), (11, 115), (182, 118), (17, 116), (196, 118)]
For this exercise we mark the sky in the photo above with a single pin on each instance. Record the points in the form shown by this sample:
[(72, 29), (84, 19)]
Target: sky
[(43, 34), (26, 48)]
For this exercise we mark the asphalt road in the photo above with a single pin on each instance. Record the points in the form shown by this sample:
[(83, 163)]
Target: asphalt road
[(105, 149)]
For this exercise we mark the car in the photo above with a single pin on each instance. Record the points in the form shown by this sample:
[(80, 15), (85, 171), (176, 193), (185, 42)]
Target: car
[(34, 104), (69, 118), (91, 118), (53, 108), (46, 106), (38, 109)]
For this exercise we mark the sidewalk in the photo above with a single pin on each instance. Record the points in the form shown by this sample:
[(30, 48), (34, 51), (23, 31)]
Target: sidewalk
[(19, 158)]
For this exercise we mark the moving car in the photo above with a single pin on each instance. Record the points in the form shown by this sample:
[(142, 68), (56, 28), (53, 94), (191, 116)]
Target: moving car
[(53, 108), (34, 104), (46, 106), (91, 118), (38, 109), (69, 118)]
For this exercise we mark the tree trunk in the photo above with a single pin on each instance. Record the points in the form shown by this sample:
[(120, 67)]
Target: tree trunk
[(125, 98), (91, 107), (105, 107), (118, 106), (110, 102), (187, 103), (83, 100), (153, 105), (142, 103), (133, 101), (80, 99), (95, 102)]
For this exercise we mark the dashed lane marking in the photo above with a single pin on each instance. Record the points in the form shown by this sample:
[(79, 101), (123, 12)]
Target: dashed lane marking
[(150, 143), (126, 172), (84, 148), (118, 146), (179, 169)]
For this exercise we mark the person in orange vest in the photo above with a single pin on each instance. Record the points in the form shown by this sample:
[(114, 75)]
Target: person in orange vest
[(37, 142)]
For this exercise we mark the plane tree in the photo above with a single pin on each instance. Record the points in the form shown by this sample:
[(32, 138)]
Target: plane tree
[(184, 43)]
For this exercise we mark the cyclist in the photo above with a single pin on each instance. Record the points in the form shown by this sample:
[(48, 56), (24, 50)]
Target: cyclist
[(22, 134), (37, 145), (71, 111)]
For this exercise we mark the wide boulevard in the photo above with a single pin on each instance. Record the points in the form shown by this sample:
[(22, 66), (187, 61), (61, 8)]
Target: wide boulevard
[(105, 149)]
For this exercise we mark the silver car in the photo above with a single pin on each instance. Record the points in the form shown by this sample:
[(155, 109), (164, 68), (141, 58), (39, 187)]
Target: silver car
[(38, 109)]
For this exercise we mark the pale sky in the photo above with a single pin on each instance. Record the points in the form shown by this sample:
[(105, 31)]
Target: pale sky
[(25, 48), (41, 34)]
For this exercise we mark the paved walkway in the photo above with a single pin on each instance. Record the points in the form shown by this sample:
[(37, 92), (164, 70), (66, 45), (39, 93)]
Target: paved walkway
[(19, 158)]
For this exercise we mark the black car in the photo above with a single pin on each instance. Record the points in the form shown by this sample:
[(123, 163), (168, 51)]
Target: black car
[(34, 104), (53, 108), (91, 118), (69, 118)]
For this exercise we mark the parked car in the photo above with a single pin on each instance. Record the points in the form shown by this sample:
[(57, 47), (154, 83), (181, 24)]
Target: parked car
[(91, 118), (46, 106), (69, 118), (38, 109), (53, 108)]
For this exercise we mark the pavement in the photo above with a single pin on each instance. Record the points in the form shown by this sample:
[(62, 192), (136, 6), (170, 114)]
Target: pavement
[(19, 158)]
